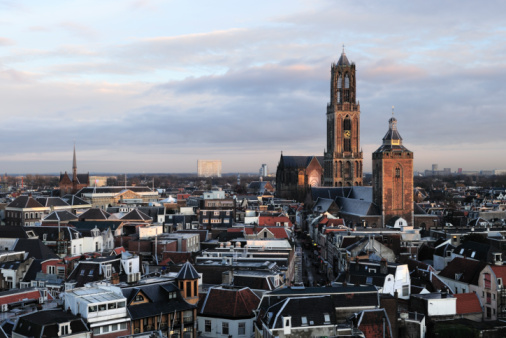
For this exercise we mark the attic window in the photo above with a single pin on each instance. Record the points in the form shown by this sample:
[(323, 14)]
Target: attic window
[(326, 318), (473, 254), (139, 298), (461, 251), (303, 319)]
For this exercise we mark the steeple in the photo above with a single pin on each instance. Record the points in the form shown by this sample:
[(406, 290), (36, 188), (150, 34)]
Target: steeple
[(343, 60), (74, 165)]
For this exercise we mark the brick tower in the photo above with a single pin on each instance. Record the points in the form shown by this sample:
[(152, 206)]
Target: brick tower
[(392, 166), (343, 158)]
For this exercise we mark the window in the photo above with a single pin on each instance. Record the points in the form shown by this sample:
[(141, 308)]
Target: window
[(326, 318), (92, 308), (405, 290), (51, 270), (303, 320), (64, 329), (242, 328), (216, 213), (139, 298), (224, 328), (207, 325), (486, 279), (397, 172), (107, 271)]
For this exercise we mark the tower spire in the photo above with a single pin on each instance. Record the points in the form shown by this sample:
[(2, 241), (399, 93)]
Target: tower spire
[(74, 165)]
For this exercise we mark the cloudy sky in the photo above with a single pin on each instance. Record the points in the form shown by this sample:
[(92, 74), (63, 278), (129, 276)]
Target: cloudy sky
[(154, 85)]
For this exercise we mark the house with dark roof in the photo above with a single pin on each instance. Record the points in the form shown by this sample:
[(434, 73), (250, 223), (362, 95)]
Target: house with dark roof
[(227, 311), (50, 323), (25, 210), (168, 306), (461, 273), (104, 197)]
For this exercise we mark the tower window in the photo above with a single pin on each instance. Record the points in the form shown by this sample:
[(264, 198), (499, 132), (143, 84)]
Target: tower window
[(339, 82), (347, 123), (346, 81), (397, 172)]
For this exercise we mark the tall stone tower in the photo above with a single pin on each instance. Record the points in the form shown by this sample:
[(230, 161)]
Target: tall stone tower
[(392, 166), (343, 158)]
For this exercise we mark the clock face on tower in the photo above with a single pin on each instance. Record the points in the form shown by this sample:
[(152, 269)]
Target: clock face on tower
[(347, 133)]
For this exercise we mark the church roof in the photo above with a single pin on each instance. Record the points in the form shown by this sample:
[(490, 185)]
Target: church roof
[(392, 141), (343, 60), (299, 161)]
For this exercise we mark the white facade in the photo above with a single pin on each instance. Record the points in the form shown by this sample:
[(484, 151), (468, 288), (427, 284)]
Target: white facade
[(104, 307), (400, 282), (150, 231), (218, 327)]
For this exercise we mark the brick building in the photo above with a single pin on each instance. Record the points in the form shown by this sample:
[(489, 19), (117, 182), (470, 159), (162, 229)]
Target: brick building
[(393, 177), (343, 159)]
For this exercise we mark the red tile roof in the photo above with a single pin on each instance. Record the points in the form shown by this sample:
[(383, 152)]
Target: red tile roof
[(467, 303), (500, 271), (272, 220), (278, 232), (229, 303)]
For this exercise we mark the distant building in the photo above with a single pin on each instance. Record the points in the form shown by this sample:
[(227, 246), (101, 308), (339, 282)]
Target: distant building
[(78, 181), (263, 172), (209, 168), (99, 181)]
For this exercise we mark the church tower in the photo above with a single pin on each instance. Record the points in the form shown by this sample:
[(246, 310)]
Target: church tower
[(343, 158), (392, 166)]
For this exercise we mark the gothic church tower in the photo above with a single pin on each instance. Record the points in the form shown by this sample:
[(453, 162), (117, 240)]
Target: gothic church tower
[(392, 166), (343, 158)]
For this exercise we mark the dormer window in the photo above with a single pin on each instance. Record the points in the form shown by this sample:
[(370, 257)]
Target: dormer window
[(64, 329), (326, 318)]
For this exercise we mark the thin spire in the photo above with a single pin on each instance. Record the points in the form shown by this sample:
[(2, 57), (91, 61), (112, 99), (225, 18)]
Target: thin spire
[(393, 110), (74, 162)]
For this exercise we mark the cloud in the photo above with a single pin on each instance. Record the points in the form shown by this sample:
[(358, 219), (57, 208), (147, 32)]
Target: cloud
[(78, 30)]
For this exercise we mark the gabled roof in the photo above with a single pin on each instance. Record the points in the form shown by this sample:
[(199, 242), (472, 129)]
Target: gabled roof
[(499, 271), (60, 215), (136, 215), (229, 303), (467, 303), (94, 214), (35, 248), (25, 202), (467, 270), (74, 200), (299, 161), (187, 272), (473, 250), (52, 201)]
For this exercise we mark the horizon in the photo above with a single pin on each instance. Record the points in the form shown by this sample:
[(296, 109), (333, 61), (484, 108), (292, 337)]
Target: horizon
[(140, 88)]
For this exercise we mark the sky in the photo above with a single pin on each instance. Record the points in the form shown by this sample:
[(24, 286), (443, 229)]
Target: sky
[(151, 86)]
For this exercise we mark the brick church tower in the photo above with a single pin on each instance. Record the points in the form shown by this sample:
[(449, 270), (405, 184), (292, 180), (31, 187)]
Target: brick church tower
[(392, 166), (343, 158)]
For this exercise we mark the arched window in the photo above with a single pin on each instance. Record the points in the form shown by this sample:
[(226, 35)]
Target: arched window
[(347, 170), (397, 172), (347, 123), (339, 82), (346, 81)]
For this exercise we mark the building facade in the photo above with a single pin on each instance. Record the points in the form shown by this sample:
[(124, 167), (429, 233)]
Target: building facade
[(343, 159), (393, 177), (209, 168)]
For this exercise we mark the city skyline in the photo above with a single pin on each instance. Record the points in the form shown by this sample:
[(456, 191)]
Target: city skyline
[(152, 86)]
